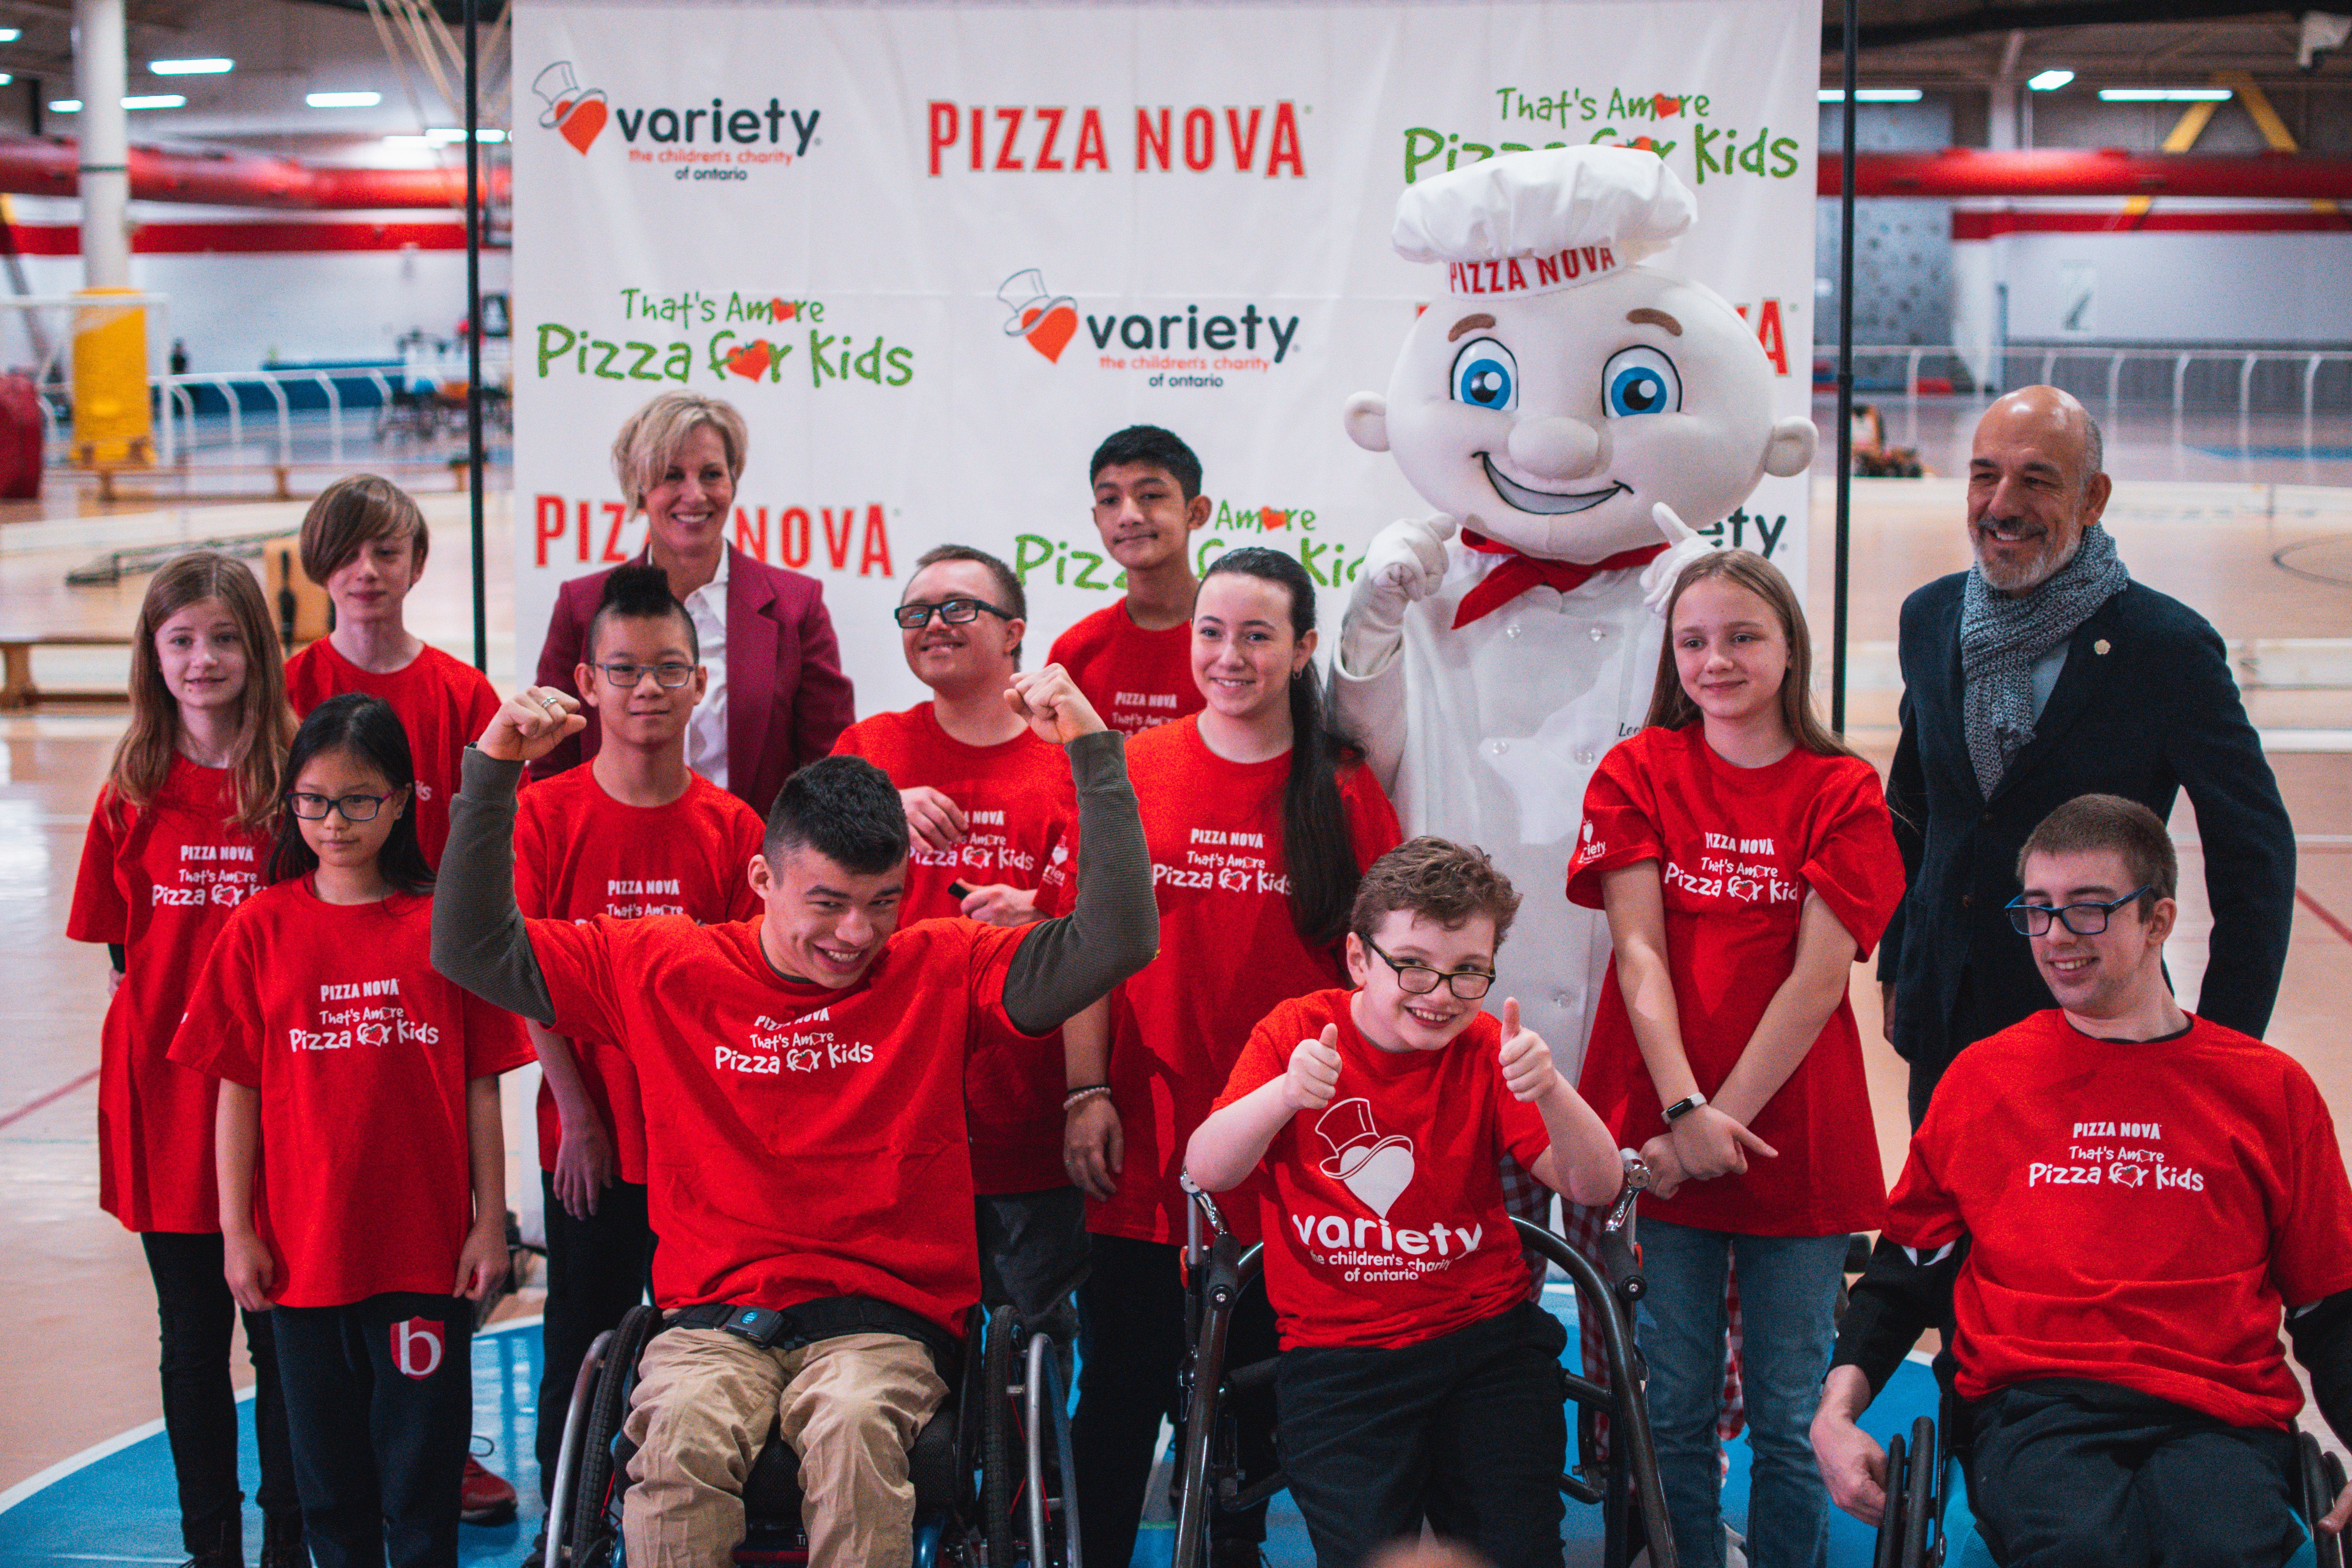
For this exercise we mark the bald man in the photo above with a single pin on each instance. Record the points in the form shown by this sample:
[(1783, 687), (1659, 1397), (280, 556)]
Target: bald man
[(2040, 673)]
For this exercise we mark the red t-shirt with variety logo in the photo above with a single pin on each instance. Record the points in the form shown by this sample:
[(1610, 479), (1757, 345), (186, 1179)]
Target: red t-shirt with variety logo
[(1383, 1211), (799, 1142), (2137, 1213), (1135, 679), (1228, 953), (1738, 849), (443, 705), (362, 1054), (160, 882), (578, 854), (1022, 812)]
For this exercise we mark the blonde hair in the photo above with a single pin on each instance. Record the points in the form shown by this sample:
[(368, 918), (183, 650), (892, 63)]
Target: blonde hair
[(1671, 707), (651, 437), (265, 724)]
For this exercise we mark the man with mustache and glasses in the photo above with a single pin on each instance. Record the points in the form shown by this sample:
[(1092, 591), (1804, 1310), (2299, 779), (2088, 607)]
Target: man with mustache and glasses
[(2042, 673)]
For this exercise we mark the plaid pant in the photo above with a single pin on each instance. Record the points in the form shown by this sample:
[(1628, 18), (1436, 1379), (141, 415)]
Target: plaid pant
[(1530, 1200)]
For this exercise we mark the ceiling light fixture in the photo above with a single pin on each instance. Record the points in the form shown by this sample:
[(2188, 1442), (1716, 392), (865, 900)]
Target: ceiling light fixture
[(343, 99), (2048, 81), (1873, 95), (191, 67), (2164, 95)]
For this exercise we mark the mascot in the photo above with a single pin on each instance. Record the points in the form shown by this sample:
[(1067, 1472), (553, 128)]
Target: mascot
[(1569, 412)]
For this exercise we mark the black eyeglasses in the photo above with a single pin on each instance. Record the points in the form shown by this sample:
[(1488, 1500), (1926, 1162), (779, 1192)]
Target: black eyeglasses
[(354, 807), (2083, 920), (627, 675), (914, 617), (1420, 979)]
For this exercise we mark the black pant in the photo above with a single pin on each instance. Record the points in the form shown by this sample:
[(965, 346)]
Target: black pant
[(1467, 1430), (597, 1268), (197, 1315), (1131, 1341), (2074, 1474), (380, 1396)]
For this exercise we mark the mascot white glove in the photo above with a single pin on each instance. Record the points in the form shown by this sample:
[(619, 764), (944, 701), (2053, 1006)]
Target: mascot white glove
[(1404, 564), (1658, 576)]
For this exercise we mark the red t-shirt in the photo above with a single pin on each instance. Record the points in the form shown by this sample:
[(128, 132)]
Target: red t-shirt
[(1739, 849), (2138, 1214), (578, 854), (443, 705), (1228, 954), (161, 882), (362, 1054), (1135, 679), (1023, 812), (1383, 1216), (799, 1142)]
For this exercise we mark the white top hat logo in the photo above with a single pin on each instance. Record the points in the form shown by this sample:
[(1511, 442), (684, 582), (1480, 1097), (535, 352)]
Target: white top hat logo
[(1376, 1168)]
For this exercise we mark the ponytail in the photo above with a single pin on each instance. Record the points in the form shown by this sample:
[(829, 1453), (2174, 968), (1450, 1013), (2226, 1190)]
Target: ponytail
[(1317, 851)]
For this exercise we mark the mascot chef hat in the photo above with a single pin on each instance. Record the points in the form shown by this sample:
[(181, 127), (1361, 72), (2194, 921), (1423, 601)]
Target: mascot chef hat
[(1529, 223)]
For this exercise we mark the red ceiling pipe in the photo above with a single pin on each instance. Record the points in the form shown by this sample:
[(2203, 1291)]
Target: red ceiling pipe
[(47, 166), (2078, 171)]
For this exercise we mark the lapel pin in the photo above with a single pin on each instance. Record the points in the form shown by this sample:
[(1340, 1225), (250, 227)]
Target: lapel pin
[(2101, 646)]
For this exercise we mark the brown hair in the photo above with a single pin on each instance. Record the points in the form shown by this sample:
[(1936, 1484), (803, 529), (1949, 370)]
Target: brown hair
[(2089, 822), (1671, 707), (265, 724), (351, 513), (651, 438), (1438, 880), (1010, 594)]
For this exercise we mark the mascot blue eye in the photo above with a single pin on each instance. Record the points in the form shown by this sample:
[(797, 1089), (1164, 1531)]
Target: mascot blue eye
[(1640, 381), (1486, 375)]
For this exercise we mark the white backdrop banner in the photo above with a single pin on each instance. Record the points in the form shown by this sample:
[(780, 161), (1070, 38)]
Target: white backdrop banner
[(935, 255)]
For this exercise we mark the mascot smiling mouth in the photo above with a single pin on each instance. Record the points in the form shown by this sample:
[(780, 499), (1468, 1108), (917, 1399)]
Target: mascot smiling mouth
[(1544, 503)]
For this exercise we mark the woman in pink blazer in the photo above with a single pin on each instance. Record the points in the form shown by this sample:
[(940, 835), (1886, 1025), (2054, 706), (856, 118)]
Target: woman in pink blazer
[(777, 696)]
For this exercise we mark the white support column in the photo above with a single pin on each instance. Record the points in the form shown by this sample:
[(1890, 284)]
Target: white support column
[(100, 76), (1979, 266)]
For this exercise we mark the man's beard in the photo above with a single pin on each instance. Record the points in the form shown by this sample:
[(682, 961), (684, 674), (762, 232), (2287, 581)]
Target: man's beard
[(2046, 562)]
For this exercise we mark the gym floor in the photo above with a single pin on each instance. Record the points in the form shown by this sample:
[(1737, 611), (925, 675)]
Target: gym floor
[(2252, 523)]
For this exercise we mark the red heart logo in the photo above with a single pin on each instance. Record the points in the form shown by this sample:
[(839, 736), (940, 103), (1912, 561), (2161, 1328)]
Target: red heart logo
[(1269, 518), (784, 310), (751, 361), (1644, 144), (1049, 333), (1666, 107), (581, 122)]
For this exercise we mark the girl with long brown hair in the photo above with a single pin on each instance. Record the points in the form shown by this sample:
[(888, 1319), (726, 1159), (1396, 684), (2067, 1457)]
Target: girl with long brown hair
[(176, 843), (1745, 858)]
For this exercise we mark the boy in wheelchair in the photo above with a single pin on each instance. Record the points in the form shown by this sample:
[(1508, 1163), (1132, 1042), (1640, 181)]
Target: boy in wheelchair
[(802, 1080), (2107, 1209), (1417, 1379)]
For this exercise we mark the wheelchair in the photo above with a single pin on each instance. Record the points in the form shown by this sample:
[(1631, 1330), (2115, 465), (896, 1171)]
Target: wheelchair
[(1006, 1410), (1920, 1473), (1620, 1477)]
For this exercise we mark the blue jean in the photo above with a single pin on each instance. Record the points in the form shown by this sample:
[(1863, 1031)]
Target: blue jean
[(1787, 1299)]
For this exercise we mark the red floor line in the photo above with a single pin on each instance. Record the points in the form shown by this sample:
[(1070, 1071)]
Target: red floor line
[(2308, 902), (63, 1090)]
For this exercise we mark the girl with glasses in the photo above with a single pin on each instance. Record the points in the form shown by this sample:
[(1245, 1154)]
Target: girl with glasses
[(367, 1087), (1745, 858), (176, 842)]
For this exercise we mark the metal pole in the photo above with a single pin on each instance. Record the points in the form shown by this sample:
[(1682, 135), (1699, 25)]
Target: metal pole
[(474, 332), (100, 72), (1845, 386)]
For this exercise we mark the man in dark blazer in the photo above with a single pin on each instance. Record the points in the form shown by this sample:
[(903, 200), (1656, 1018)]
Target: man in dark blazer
[(2042, 673), (787, 699)]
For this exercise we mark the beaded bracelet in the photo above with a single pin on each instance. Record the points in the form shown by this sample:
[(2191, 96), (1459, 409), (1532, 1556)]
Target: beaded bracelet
[(1082, 1093)]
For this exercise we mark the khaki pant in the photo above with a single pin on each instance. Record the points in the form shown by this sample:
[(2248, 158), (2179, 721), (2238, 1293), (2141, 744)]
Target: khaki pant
[(704, 1406)]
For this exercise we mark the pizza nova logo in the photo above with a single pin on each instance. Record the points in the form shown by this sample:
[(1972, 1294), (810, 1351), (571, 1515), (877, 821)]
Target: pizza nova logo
[(1053, 140), (720, 142)]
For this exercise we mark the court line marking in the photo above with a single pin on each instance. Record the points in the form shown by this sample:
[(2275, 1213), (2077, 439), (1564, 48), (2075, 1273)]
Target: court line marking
[(2327, 916), (108, 1448), (30, 1106)]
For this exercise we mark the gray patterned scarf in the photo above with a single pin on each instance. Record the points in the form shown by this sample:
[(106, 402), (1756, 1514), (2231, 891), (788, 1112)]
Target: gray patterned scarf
[(2001, 639)]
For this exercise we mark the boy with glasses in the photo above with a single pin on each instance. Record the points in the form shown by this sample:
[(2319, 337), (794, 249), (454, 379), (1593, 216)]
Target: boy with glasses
[(634, 835), (2108, 1209), (992, 818), (1417, 1378)]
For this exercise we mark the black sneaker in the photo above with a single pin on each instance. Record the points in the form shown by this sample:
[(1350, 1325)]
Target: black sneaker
[(281, 1543)]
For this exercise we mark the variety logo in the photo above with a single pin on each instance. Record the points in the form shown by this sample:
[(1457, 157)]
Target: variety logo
[(579, 115), (1043, 321), (1376, 1168)]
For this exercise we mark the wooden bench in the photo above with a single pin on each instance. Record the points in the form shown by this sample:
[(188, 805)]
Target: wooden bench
[(18, 688)]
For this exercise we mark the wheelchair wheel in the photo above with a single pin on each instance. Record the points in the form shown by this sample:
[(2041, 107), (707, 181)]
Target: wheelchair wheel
[(1887, 1552), (592, 1494), (999, 1470), (1921, 1509), (2323, 1478), (1052, 1497)]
